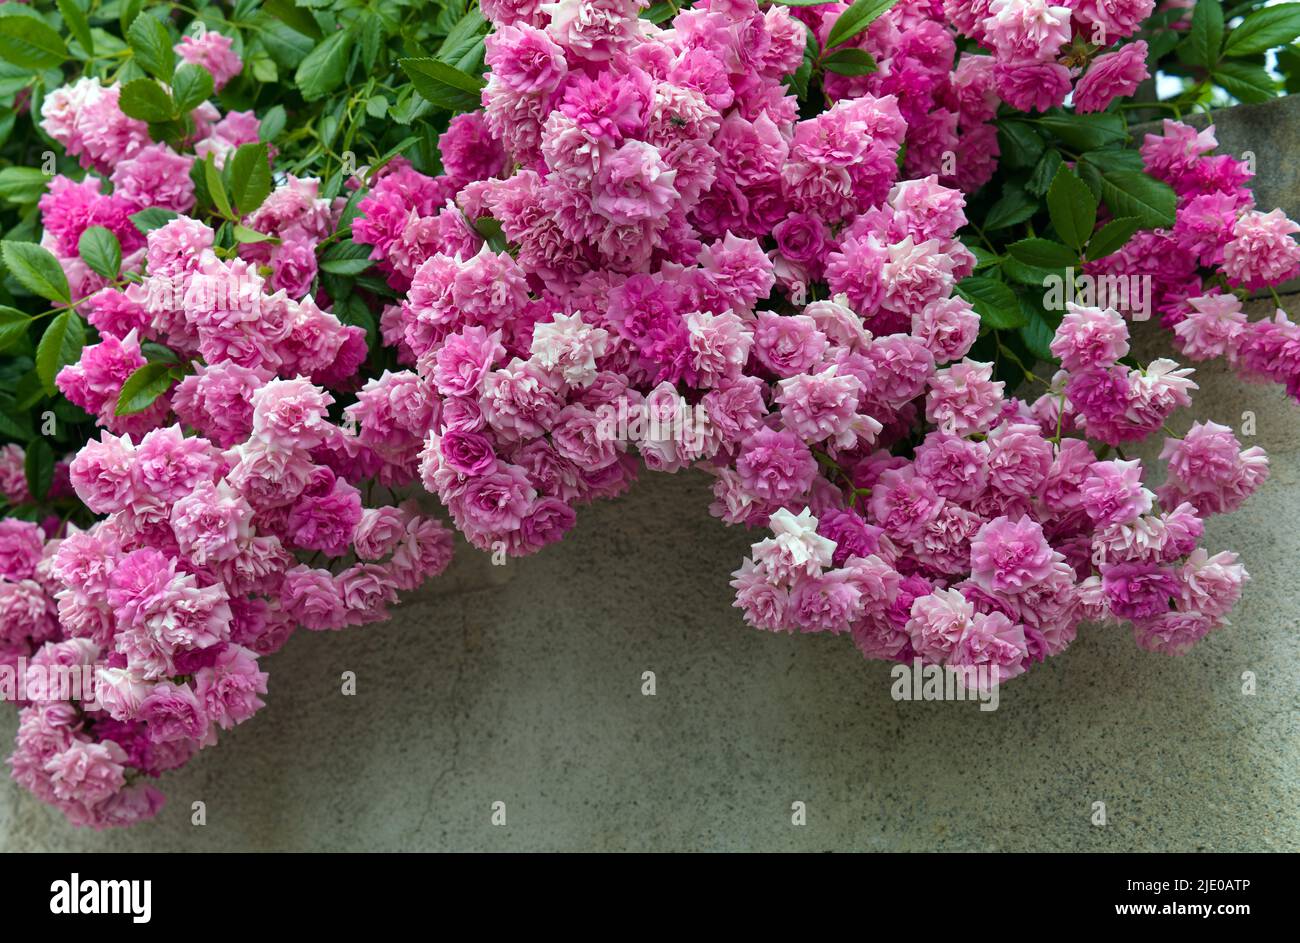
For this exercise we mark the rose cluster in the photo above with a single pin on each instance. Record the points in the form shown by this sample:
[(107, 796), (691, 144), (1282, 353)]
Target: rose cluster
[(194, 574), (1220, 249), (1003, 531), (232, 506), (1039, 48), (649, 162)]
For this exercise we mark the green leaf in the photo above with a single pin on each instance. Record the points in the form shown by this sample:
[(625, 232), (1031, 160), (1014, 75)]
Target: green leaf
[(158, 353), (15, 427), (1037, 333), (983, 257), (39, 466), (659, 12), (36, 270), (30, 43), (1040, 181), (100, 250), (462, 37), (1073, 208), (1016, 206), (993, 301), (293, 16), (377, 106), (1024, 274), (152, 218), (191, 87), (372, 39), (1264, 30), (152, 45), (146, 100), (1112, 237), (1086, 132), (441, 85), (217, 188), (1043, 253), (60, 345), (323, 69), (22, 184), (1206, 36), (144, 386), (346, 258), (250, 177), (245, 235), (345, 266), (850, 62), (74, 18), (273, 123), (1019, 143), (1132, 193), (13, 326), (855, 19), (1247, 83)]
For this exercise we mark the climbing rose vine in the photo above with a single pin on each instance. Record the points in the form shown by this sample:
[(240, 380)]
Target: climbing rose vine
[(803, 248)]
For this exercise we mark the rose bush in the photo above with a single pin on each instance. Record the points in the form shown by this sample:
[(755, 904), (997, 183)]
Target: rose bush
[(873, 267)]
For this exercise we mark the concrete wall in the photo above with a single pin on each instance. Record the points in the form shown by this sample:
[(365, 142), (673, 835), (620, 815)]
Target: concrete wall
[(522, 684)]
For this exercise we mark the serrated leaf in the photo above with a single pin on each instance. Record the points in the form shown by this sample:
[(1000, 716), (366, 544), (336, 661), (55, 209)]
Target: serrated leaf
[(1132, 193), (1247, 83), (22, 184), (36, 270), (1019, 143), (143, 387), (60, 345), (159, 353), (1072, 206), (245, 235), (372, 39), (38, 464), (1044, 173), (1014, 207), (1086, 132), (1043, 253), (250, 177), (30, 43), (1112, 237), (146, 100), (1264, 30), (345, 266), (1036, 332), (850, 62), (855, 19), (1205, 38), (100, 250), (74, 18), (152, 46), (294, 17), (216, 188), (463, 36), (148, 220), (993, 301), (191, 86), (13, 326), (323, 69), (443, 86)]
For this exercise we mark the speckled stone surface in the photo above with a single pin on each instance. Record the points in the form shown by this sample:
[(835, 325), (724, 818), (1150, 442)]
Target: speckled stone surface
[(1269, 131), (522, 684)]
